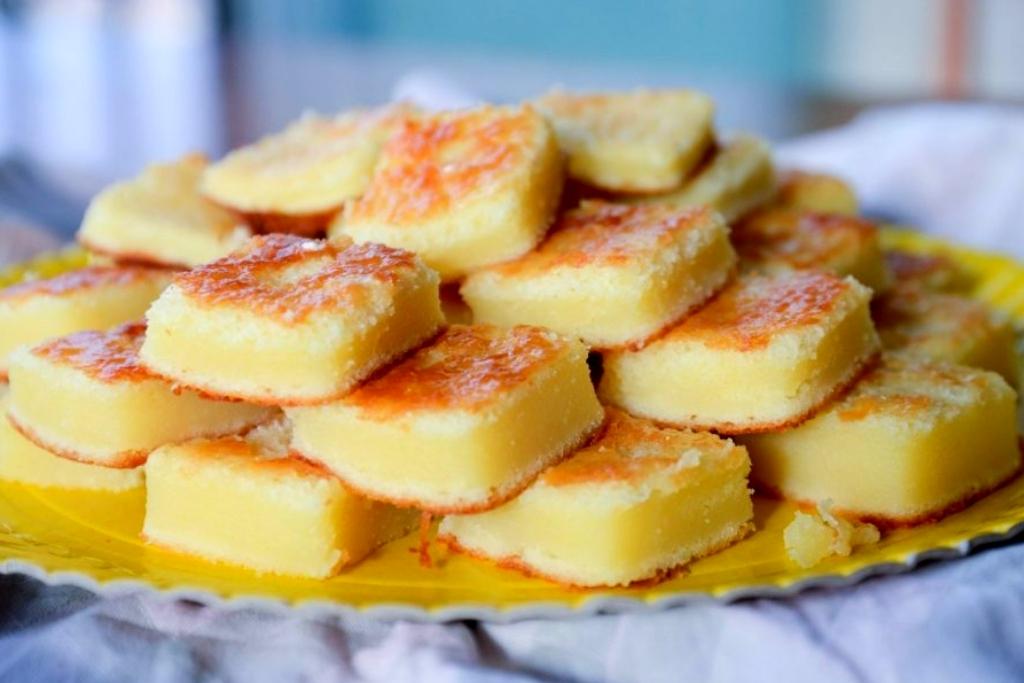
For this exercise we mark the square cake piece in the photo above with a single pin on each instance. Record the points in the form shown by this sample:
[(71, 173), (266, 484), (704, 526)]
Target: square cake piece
[(88, 397), (462, 189), (946, 327), (818, 192), (633, 505), (287, 320), (26, 463), (912, 441), (93, 298), (296, 181), (160, 217), (461, 425), (611, 274), (639, 141), (249, 502), (764, 354), (780, 239), (739, 178)]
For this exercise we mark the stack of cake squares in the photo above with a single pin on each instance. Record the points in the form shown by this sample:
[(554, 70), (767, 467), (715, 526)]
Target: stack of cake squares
[(574, 329)]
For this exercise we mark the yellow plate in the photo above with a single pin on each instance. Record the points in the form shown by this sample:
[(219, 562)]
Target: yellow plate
[(91, 540)]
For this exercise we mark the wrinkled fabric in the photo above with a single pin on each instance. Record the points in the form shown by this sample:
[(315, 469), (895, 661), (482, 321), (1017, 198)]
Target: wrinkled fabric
[(956, 171)]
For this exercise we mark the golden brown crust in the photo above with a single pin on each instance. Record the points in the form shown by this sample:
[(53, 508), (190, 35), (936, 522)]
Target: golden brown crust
[(748, 313), (800, 238), (496, 499), (111, 356), (732, 428), (80, 279), (130, 258), (466, 367), (312, 224), (516, 563)]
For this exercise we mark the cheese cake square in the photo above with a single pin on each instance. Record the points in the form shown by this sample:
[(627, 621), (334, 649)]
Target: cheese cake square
[(296, 181), (461, 425), (738, 178), (287, 320), (249, 502), (633, 505), (765, 353), (160, 217), (88, 397), (912, 441), (935, 271), (819, 192), (779, 239), (639, 141), (611, 274), (947, 327), (24, 462), (462, 189), (92, 298)]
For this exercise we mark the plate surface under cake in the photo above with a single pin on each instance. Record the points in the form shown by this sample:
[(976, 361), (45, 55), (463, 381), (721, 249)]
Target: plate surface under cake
[(462, 424), (635, 503), (610, 274), (246, 501), (911, 441), (763, 354)]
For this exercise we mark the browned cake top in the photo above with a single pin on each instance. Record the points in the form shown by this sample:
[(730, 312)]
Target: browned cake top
[(240, 448), (602, 233), (909, 315), (801, 239), (755, 308), (630, 450), (466, 368), (111, 356), (289, 277), (83, 279), (904, 387), (433, 162), (933, 270)]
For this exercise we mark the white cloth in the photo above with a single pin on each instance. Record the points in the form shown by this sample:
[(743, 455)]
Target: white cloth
[(956, 170)]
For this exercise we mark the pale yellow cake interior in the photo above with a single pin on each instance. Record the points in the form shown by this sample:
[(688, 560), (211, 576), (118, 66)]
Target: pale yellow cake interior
[(637, 502), (462, 423), (100, 415), (739, 178), (160, 216), (609, 274), (639, 141), (911, 439), (343, 325), (312, 166), (24, 462), (461, 189), (94, 298), (239, 501), (766, 352)]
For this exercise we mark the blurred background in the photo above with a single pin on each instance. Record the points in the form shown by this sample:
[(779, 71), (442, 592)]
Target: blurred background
[(91, 90)]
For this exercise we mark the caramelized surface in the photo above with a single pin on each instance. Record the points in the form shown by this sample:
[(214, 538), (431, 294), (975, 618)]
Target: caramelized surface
[(751, 311), (107, 356), (600, 233), (467, 367), (801, 239), (909, 388), (78, 280), (935, 271), (633, 449), (289, 277), (433, 162)]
